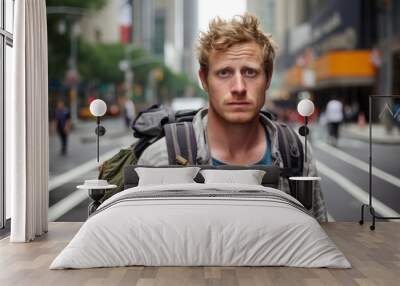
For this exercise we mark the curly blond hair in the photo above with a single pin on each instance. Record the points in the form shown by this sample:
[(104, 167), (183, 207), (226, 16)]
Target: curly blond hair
[(222, 35)]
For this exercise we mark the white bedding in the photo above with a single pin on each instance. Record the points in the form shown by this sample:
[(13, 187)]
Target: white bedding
[(181, 231)]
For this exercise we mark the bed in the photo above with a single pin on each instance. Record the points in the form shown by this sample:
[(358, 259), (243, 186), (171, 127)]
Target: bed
[(201, 224)]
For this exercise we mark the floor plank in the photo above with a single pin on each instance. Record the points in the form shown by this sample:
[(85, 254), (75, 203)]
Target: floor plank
[(374, 255)]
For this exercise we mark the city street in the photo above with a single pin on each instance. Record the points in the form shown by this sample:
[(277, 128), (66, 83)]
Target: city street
[(66, 202), (343, 169), (345, 178)]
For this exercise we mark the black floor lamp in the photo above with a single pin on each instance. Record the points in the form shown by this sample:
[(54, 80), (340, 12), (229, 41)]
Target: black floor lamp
[(369, 205)]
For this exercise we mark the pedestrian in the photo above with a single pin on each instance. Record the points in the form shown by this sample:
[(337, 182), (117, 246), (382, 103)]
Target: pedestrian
[(334, 117), (63, 125), (128, 111)]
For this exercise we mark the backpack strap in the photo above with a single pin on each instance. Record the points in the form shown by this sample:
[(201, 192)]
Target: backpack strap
[(181, 143), (291, 151)]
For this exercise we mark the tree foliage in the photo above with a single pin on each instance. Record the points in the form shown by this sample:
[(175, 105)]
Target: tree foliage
[(86, 4), (59, 44), (99, 63)]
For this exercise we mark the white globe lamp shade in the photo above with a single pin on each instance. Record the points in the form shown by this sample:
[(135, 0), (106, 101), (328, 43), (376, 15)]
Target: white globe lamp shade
[(98, 107), (305, 107)]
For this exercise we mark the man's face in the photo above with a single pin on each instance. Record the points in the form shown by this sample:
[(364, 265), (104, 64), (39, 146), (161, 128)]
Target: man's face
[(236, 82)]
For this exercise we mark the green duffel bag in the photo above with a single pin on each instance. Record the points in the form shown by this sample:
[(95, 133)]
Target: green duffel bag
[(112, 170)]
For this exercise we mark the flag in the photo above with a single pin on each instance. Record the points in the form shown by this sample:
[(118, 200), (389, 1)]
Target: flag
[(125, 21)]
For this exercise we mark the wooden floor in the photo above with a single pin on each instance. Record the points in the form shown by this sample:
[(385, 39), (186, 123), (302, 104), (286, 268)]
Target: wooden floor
[(374, 255)]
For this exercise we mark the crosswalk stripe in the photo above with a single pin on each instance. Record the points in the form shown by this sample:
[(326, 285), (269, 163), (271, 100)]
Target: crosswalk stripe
[(5, 237), (330, 217), (75, 198), (65, 205), (358, 163), (355, 191)]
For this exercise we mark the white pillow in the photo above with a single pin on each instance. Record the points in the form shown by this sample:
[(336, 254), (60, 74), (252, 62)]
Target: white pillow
[(162, 176), (248, 177)]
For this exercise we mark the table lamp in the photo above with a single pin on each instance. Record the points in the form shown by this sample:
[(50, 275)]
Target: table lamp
[(98, 108)]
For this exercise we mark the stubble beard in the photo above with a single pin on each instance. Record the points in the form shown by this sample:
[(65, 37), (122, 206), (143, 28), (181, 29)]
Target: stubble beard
[(227, 118)]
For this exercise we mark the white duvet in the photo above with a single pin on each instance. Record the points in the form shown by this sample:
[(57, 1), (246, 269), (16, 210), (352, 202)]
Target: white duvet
[(183, 231)]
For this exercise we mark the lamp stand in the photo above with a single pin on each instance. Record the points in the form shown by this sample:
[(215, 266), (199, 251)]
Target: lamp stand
[(369, 205), (100, 131), (98, 138), (305, 138)]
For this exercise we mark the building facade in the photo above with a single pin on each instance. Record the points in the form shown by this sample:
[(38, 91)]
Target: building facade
[(168, 28), (102, 26), (338, 47)]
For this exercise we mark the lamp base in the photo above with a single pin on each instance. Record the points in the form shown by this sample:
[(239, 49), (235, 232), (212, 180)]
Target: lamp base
[(100, 130), (96, 195), (303, 190)]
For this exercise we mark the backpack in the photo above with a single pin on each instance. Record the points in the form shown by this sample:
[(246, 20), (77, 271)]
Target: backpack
[(147, 127), (156, 122)]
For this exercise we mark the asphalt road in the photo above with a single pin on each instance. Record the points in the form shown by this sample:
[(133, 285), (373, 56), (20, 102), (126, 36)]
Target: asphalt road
[(343, 169), (345, 177), (82, 144), (66, 202)]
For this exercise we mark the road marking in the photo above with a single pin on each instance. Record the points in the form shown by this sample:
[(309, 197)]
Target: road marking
[(330, 217), (8, 236), (352, 143), (358, 163), (65, 205), (356, 191), (79, 171), (68, 203)]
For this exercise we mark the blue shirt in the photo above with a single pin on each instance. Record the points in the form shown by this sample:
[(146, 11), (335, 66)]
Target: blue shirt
[(62, 116), (266, 159)]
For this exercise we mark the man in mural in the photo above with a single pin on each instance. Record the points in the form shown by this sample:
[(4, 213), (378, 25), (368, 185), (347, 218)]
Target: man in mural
[(236, 64)]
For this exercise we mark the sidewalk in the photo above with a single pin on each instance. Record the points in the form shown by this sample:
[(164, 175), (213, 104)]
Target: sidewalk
[(379, 134)]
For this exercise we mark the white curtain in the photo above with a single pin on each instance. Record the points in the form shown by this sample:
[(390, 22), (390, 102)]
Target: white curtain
[(27, 123)]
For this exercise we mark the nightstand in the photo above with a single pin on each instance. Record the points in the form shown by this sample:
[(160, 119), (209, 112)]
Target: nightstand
[(96, 190)]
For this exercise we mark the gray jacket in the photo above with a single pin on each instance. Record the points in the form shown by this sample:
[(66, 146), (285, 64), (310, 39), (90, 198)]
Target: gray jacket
[(157, 155)]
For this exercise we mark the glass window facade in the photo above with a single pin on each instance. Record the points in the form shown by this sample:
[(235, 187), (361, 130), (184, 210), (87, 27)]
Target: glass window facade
[(6, 42)]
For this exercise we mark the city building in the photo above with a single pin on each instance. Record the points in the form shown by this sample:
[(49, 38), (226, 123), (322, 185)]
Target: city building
[(102, 26), (266, 12), (144, 24), (176, 34), (337, 47), (165, 28), (190, 35)]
